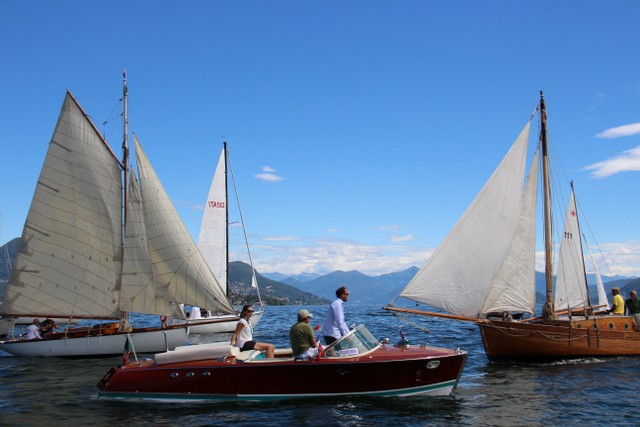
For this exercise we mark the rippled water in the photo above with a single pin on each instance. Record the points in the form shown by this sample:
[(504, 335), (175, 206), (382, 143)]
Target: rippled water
[(50, 392)]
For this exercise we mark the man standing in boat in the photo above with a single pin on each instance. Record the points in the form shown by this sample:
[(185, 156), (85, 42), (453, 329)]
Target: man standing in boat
[(334, 325), (617, 306)]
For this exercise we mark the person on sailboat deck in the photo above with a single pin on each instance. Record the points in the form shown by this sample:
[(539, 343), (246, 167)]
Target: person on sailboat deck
[(633, 307), (303, 341), (195, 313), (243, 335), (334, 325), (617, 306), (47, 325), (33, 332)]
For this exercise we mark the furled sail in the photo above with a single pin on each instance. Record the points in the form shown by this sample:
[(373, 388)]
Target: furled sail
[(457, 277), (212, 240), (514, 287), (179, 267), (69, 258), (571, 286)]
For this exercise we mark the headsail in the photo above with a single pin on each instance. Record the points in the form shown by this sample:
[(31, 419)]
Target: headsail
[(69, 258), (457, 277), (571, 285), (140, 292), (179, 267)]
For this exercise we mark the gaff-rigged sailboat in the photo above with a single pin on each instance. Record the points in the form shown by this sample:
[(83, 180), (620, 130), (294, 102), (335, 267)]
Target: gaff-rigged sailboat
[(90, 250), (213, 242), (484, 272)]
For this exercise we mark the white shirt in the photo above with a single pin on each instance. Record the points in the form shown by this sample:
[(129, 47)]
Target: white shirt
[(32, 333), (195, 313), (246, 334), (334, 324)]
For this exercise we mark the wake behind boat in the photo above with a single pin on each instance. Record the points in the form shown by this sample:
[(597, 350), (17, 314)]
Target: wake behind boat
[(356, 365), (90, 251), (484, 272)]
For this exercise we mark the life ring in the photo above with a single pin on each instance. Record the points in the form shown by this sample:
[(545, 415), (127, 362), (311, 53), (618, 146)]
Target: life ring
[(163, 319)]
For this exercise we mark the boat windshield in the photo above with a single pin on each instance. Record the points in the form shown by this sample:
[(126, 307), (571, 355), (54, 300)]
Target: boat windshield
[(356, 342)]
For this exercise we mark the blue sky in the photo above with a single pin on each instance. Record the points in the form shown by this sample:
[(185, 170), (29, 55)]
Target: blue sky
[(358, 131)]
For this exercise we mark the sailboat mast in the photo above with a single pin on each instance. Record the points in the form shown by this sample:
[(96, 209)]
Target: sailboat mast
[(125, 147), (548, 311), (125, 325), (226, 220)]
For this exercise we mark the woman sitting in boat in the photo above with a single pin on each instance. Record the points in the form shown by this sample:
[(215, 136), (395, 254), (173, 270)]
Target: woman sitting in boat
[(243, 335)]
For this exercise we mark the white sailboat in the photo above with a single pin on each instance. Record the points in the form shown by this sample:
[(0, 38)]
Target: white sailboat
[(484, 272), (213, 243), (91, 251)]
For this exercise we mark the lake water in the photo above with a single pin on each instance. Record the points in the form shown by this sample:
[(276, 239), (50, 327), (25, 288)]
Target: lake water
[(51, 392)]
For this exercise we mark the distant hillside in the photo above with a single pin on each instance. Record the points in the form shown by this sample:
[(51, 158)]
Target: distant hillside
[(272, 292), (363, 289)]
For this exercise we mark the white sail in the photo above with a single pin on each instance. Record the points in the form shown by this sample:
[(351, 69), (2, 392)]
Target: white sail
[(178, 265), (571, 286), (602, 294), (69, 257), (514, 287), (457, 277), (212, 240), (139, 292)]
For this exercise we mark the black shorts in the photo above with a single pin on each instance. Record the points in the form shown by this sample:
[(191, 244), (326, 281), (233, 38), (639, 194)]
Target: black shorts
[(249, 345)]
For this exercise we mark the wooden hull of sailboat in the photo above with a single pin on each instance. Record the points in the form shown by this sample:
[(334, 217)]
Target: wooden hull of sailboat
[(88, 343), (603, 336), (219, 324), (383, 372)]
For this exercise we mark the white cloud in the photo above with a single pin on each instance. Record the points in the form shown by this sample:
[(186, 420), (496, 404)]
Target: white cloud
[(269, 177), (268, 169), (327, 255), (280, 239), (629, 160), (406, 238), (390, 228), (620, 131)]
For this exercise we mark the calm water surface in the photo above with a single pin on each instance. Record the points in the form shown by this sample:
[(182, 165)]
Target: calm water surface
[(51, 392)]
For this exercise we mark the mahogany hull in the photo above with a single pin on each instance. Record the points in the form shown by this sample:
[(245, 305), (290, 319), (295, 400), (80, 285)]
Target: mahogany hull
[(386, 371), (604, 336)]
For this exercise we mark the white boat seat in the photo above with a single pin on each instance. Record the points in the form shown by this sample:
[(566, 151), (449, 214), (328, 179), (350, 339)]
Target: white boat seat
[(196, 352)]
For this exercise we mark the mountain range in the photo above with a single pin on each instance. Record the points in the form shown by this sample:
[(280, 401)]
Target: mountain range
[(313, 289)]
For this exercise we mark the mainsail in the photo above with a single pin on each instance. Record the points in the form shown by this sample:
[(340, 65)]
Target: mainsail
[(514, 287), (457, 277), (213, 237), (68, 262), (73, 260)]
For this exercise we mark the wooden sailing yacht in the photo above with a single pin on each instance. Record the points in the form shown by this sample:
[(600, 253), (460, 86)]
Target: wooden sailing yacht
[(98, 244), (484, 272), (213, 242)]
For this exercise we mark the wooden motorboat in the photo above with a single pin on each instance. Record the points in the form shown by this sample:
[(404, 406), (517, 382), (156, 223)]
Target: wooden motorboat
[(357, 364)]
